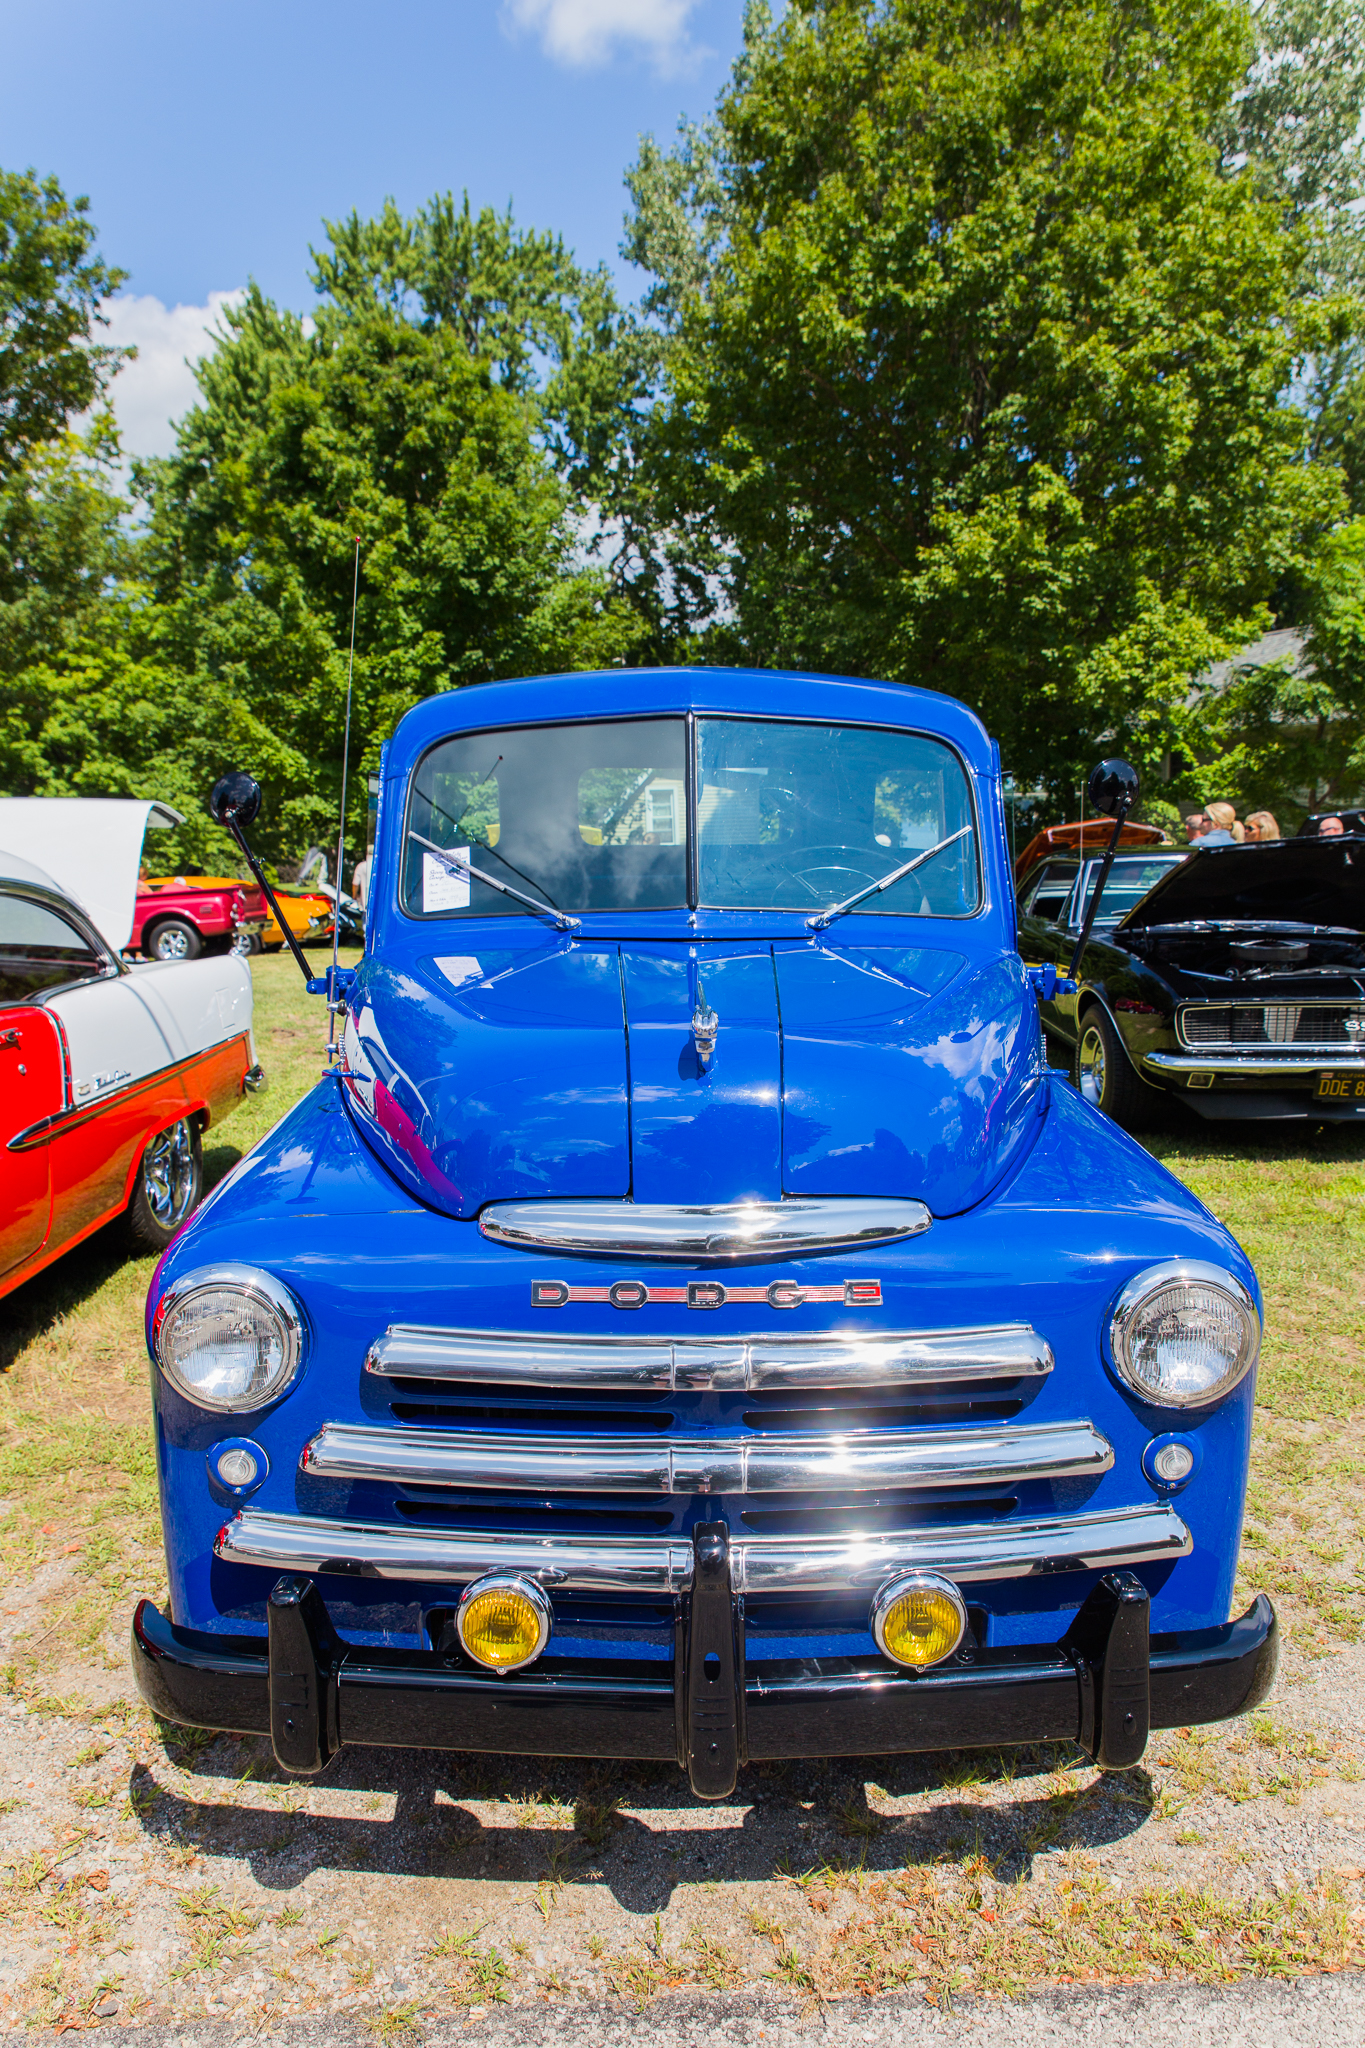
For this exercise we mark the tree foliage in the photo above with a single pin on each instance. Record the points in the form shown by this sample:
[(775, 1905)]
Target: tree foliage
[(51, 286), (403, 415), (978, 357)]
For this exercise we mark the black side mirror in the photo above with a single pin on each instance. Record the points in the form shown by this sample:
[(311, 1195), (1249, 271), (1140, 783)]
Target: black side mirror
[(234, 800), (1113, 787), (1112, 790)]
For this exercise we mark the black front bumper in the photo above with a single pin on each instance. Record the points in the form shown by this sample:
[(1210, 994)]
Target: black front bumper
[(1105, 1686)]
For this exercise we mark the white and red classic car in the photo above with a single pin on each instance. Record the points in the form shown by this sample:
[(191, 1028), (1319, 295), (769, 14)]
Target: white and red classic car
[(109, 1073)]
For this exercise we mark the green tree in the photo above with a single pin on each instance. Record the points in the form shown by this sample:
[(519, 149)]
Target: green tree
[(61, 544), (1290, 734), (978, 354), (406, 418), (51, 286)]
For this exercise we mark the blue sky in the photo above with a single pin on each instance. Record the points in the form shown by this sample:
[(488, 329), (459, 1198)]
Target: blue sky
[(212, 140)]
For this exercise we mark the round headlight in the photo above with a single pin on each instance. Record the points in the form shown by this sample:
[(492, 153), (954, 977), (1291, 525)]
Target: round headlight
[(503, 1621), (228, 1337), (918, 1619), (1183, 1334)]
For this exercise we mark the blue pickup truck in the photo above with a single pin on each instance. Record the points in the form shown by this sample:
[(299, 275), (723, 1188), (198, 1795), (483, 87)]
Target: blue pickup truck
[(690, 1320)]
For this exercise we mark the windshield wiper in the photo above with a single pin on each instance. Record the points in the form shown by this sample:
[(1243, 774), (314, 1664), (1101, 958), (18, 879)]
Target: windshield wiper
[(826, 917), (453, 860)]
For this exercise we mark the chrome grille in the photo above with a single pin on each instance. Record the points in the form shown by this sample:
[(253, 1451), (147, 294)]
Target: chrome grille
[(831, 1359), (559, 1437), (717, 1461), (1233, 1025), (973, 1552)]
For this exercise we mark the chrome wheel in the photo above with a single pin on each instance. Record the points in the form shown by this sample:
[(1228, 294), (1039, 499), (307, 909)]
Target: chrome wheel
[(1090, 1066), (172, 944), (170, 1176)]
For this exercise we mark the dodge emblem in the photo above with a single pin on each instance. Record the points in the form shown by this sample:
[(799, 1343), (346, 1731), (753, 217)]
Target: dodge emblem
[(708, 1294)]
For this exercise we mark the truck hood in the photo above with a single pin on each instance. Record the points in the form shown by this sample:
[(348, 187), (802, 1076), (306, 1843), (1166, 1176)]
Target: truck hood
[(568, 1069)]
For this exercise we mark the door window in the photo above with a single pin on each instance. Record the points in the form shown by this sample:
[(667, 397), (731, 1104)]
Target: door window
[(40, 950), (1050, 894)]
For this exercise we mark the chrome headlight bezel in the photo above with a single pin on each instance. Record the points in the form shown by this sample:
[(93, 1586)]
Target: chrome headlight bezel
[(915, 1581), (255, 1285), (535, 1596), (1138, 1292)]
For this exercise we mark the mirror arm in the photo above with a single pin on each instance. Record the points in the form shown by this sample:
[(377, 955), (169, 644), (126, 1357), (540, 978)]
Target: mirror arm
[(229, 819), (1120, 820)]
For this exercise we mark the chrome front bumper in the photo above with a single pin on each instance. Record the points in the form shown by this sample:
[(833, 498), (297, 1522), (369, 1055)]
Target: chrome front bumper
[(1242, 1066), (972, 1554)]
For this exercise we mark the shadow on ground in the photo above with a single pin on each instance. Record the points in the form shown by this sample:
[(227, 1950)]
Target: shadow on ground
[(563, 1821)]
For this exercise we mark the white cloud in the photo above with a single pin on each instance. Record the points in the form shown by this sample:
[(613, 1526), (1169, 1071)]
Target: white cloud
[(581, 33), (157, 388)]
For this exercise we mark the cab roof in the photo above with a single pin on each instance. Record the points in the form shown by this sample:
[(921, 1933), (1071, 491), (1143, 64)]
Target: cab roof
[(649, 692)]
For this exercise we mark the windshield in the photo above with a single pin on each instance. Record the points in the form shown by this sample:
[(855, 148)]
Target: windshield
[(595, 817), (589, 817), (799, 817)]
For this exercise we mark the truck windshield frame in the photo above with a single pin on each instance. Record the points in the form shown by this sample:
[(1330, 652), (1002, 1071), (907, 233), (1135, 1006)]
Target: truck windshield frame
[(682, 810)]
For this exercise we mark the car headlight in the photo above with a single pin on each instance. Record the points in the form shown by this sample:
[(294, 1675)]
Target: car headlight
[(228, 1337), (1183, 1334), (504, 1621)]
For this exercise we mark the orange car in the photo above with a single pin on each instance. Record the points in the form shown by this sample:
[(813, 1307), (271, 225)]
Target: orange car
[(1091, 837), (310, 918)]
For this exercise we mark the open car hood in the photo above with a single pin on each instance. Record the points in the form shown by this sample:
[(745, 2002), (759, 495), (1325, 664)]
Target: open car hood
[(1290, 881), (566, 1069), (91, 845)]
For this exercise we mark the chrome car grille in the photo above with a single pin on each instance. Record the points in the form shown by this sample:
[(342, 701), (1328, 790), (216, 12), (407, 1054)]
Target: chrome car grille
[(1298, 1025), (972, 1553), (710, 1462), (546, 1437)]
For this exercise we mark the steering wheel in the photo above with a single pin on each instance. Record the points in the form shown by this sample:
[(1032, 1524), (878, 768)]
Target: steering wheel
[(846, 875)]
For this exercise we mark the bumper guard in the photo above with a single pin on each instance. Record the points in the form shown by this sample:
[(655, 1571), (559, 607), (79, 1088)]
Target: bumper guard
[(1105, 1686)]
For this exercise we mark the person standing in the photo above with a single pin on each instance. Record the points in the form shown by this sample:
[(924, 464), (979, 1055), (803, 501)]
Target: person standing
[(1261, 826)]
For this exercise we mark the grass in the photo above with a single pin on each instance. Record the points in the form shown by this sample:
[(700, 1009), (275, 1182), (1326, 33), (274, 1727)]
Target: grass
[(1296, 1201)]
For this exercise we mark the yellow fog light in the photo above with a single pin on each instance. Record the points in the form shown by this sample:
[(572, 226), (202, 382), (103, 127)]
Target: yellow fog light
[(503, 1621), (918, 1619)]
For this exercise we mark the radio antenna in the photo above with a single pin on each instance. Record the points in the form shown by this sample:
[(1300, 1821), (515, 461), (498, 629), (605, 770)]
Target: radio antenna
[(332, 1003)]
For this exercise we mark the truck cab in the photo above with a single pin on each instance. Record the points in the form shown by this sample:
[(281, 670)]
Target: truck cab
[(690, 1320)]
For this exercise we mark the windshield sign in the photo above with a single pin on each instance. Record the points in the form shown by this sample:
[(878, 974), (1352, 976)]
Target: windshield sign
[(575, 818)]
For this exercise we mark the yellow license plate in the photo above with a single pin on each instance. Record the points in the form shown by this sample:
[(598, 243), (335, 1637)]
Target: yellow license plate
[(1340, 1088)]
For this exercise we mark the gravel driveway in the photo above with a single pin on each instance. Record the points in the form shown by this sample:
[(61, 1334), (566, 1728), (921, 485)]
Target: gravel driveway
[(153, 1877)]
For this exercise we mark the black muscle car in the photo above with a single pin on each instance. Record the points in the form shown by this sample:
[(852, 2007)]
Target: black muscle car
[(1231, 976)]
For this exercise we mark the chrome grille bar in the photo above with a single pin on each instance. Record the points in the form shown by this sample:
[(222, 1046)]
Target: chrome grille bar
[(758, 1464), (739, 1364), (721, 1230), (971, 1554)]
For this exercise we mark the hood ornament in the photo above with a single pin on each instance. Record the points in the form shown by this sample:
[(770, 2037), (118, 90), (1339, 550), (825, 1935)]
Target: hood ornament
[(705, 1025)]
